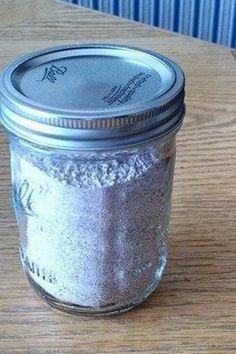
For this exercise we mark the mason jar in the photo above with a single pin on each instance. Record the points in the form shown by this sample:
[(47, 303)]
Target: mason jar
[(92, 139)]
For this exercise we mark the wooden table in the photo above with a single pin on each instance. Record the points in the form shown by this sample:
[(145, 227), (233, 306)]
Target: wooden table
[(194, 308)]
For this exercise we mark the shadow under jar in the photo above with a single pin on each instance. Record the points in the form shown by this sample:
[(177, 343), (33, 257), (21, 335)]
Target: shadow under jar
[(92, 137)]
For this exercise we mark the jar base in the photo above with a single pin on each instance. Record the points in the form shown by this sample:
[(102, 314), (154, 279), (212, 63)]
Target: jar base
[(106, 310)]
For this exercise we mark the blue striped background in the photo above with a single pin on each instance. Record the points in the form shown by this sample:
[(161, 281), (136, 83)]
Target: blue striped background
[(211, 20)]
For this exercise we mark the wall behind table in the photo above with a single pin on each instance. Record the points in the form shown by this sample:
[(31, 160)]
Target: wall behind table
[(210, 20)]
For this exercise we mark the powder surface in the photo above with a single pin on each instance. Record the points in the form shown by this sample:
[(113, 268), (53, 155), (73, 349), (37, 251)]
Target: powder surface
[(93, 229)]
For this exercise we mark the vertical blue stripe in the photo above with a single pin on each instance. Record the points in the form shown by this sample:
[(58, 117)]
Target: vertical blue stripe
[(116, 7), (196, 17), (233, 39), (136, 10), (176, 16), (156, 11), (216, 21), (95, 4)]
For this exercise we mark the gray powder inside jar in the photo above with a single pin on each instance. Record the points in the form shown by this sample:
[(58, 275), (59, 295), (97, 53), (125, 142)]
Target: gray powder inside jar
[(95, 227)]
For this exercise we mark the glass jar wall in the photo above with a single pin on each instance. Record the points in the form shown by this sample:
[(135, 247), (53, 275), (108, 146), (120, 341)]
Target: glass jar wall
[(93, 225)]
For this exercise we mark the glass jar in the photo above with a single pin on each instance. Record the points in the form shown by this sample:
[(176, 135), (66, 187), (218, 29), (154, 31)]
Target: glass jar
[(92, 177)]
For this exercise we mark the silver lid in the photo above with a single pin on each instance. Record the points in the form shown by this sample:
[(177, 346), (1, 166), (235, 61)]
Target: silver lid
[(92, 96)]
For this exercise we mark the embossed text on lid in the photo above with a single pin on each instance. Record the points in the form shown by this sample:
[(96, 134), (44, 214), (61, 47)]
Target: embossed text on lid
[(93, 86)]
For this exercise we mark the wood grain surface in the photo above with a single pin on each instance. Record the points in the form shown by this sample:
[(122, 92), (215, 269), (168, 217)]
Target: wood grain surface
[(194, 308)]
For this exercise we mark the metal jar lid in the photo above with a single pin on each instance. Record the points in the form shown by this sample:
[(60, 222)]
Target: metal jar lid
[(92, 96)]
